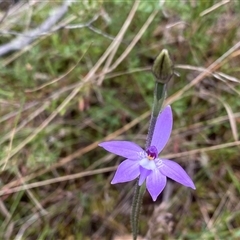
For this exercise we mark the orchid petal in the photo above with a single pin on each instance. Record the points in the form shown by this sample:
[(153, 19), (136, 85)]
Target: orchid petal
[(125, 149), (155, 183), (143, 174), (127, 171), (174, 171), (162, 129)]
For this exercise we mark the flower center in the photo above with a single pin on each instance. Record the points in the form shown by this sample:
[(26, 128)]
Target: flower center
[(152, 153)]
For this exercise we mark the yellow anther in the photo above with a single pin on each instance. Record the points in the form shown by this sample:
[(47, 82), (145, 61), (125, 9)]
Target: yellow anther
[(150, 158)]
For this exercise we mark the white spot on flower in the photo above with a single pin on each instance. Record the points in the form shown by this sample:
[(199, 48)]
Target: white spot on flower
[(145, 163)]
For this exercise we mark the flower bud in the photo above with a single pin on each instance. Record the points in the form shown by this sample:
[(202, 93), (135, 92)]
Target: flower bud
[(163, 67)]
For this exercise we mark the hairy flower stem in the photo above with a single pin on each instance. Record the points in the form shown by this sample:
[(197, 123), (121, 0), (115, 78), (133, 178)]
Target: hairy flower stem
[(159, 96), (162, 69), (136, 208)]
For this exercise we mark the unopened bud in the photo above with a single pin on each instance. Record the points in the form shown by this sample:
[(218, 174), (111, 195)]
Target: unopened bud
[(163, 67)]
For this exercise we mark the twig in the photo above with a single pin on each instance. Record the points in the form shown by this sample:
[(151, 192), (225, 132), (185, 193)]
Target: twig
[(200, 150), (120, 38), (202, 75), (26, 38), (31, 195), (27, 224), (56, 180), (135, 40), (214, 7), (5, 14), (8, 216)]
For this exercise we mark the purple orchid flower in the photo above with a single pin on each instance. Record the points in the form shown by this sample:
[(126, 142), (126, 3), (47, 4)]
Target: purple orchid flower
[(146, 164)]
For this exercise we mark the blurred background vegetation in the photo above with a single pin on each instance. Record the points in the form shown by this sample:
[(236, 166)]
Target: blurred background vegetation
[(84, 78)]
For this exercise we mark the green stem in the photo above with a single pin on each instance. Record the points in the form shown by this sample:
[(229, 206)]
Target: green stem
[(159, 96), (163, 71), (136, 208)]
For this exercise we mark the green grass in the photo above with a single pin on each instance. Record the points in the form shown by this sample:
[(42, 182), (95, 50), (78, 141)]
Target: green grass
[(89, 207)]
